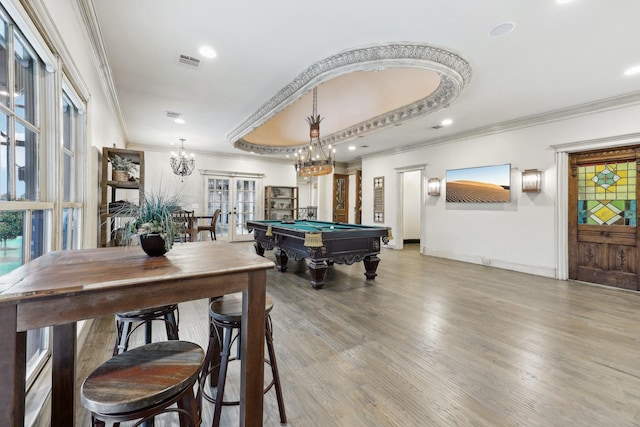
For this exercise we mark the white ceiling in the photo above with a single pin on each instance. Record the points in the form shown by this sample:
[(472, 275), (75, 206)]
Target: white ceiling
[(557, 58)]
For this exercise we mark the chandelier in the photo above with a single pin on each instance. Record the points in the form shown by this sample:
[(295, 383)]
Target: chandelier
[(312, 161), (182, 164)]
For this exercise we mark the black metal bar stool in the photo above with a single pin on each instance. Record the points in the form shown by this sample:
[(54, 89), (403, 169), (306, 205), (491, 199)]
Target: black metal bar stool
[(144, 382), (226, 315), (125, 322)]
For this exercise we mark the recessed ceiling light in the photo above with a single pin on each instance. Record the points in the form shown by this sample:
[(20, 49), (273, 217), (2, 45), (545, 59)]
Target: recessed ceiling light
[(352, 147), (632, 71), (180, 121), (207, 52), (563, 1), (502, 29), (446, 122)]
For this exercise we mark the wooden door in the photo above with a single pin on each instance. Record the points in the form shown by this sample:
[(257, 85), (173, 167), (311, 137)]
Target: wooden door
[(603, 232), (341, 198)]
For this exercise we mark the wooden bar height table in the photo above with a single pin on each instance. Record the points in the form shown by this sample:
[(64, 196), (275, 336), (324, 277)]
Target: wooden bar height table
[(60, 288)]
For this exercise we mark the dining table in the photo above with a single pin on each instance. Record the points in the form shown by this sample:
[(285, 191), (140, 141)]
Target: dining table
[(62, 287)]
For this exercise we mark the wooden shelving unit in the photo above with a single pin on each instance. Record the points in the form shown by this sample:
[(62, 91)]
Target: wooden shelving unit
[(113, 191), (280, 203)]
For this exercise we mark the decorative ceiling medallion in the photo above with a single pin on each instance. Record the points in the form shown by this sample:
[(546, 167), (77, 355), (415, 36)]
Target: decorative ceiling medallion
[(455, 74)]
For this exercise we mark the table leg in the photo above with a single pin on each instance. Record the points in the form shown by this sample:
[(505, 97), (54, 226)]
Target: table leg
[(13, 354), (252, 350), (317, 270), (259, 248), (370, 265), (281, 260), (214, 365), (63, 378)]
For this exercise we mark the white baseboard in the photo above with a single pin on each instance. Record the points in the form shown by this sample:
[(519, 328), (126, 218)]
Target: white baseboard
[(489, 262)]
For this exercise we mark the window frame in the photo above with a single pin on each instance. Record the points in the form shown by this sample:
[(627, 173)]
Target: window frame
[(51, 86)]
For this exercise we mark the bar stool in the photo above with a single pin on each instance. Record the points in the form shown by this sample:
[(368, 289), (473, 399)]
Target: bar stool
[(144, 382), (125, 321), (226, 315)]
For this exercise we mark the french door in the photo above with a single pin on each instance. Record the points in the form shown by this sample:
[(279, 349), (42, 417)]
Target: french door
[(238, 200), (603, 229)]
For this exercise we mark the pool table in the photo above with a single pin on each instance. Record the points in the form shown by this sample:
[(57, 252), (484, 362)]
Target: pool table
[(322, 243)]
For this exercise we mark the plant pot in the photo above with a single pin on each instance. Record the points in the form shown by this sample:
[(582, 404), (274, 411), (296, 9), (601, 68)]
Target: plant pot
[(120, 175), (152, 244)]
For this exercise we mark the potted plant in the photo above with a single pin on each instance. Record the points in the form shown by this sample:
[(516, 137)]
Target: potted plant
[(122, 167), (153, 223)]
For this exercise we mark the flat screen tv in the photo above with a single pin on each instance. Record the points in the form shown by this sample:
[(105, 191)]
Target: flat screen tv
[(483, 184)]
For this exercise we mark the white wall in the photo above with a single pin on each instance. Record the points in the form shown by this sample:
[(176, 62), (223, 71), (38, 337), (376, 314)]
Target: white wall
[(160, 177), (520, 235), (351, 219)]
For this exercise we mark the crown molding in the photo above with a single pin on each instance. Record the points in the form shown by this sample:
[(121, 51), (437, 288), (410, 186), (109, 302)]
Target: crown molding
[(618, 102), (455, 73), (101, 60), (239, 156)]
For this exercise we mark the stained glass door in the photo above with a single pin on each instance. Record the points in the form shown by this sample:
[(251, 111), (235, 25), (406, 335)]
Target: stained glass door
[(603, 232)]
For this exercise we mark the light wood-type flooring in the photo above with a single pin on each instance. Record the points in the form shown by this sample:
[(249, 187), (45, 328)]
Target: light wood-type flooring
[(435, 342)]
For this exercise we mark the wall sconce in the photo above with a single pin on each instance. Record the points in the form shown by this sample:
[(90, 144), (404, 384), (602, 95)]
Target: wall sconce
[(531, 181), (433, 187)]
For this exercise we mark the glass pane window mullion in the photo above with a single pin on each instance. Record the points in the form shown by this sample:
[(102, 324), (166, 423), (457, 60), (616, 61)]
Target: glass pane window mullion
[(69, 136), (25, 81), (4, 63), (6, 156), (26, 163)]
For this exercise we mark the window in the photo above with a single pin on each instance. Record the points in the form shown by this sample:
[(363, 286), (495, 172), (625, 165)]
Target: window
[(72, 142), (39, 212), (607, 193), (23, 231)]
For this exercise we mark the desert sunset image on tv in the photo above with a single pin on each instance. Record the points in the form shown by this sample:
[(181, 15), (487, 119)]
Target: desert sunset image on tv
[(485, 184)]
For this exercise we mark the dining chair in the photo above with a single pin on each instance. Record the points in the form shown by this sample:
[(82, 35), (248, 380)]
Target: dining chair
[(186, 220), (211, 228)]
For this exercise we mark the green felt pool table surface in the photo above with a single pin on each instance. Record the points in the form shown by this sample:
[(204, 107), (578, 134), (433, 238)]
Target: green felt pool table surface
[(318, 226)]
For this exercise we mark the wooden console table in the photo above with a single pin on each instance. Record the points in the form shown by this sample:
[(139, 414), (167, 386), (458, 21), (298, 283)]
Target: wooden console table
[(60, 288)]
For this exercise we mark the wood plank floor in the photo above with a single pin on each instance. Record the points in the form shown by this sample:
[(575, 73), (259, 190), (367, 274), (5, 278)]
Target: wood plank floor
[(435, 342)]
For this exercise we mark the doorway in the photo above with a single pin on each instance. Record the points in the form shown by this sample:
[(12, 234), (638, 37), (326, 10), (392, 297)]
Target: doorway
[(237, 198), (602, 217), (410, 207), (340, 198), (409, 201)]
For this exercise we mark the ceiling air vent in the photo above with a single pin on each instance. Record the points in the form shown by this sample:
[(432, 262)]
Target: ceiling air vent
[(173, 115), (189, 61), (436, 127)]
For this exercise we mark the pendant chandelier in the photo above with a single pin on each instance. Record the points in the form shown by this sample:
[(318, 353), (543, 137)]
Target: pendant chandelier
[(182, 164), (312, 161)]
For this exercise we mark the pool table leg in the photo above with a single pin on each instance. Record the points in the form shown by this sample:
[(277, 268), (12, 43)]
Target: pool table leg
[(281, 260), (317, 270), (370, 265), (259, 248)]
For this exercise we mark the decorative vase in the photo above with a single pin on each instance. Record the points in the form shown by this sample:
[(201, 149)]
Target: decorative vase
[(120, 175), (152, 244)]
